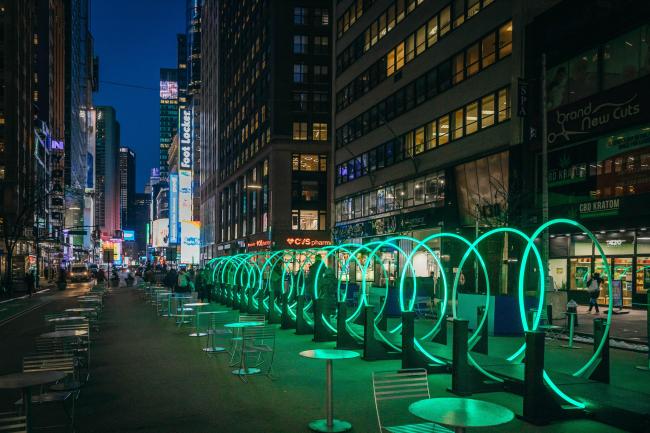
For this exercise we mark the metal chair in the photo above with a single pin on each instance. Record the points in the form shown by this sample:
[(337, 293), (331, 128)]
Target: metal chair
[(215, 328), (393, 391), (11, 422), (260, 341), (61, 392), (235, 341)]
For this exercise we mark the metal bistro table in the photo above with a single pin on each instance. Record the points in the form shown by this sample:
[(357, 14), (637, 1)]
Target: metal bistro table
[(329, 424), (198, 306), (25, 382), (461, 413), (243, 370)]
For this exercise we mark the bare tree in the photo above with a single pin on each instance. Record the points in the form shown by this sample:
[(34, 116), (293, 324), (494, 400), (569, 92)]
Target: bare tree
[(19, 226)]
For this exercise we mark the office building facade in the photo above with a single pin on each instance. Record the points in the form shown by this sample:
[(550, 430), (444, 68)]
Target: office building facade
[(107, 184), (273, 144), (424, 130), (598, 120), (168, 114), (127, 185)]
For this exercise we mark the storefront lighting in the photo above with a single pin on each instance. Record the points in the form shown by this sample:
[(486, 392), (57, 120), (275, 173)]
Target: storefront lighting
[(253, 186), (622, 230), (602, 232)]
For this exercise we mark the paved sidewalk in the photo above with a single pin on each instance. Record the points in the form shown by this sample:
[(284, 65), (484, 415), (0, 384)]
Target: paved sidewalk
[(149, 376)]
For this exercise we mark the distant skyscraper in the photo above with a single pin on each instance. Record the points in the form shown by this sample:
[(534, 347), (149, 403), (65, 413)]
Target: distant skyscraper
[(139, 219), (127, 186), (107, 185), (168, 114), (78, 100), (182, 59)]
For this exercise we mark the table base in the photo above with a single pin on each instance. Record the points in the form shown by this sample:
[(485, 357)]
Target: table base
[(566, 346), (246, 371), (214, 349), (337, 426), (198, 334)]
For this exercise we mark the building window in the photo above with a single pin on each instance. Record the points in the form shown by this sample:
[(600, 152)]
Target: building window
[(300, 131), (471, 118), (487, 111), (321, 17), (321, 103), (300, 44), (504, 105), (309, 162), (321, 45), (300, 101), (2, 172), (505, 40), (320, 131), (304, 220), (300, 16), (488, 50), (299, 73), (320, 73)]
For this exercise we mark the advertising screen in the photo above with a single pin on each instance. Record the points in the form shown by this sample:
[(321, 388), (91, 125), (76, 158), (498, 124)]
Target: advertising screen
[(185, 196), (161, 233), (185, 140), (190, 242), (173, 208), (168, 90), (129, 235)]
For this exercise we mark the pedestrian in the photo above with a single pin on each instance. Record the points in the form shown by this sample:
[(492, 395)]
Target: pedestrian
[(183, 283), (29, 282), (593, 287)]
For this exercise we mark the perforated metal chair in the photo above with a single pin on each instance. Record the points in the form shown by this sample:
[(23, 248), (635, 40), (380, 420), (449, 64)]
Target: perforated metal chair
[(235, 341), (11, 422), (260, 341), (215, 329), (393, 392)]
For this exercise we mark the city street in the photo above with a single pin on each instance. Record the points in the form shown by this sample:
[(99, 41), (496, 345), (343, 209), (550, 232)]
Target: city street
[(390, 216)]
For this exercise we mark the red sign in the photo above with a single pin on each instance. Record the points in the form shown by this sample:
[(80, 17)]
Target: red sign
[(262, 243), (307, 242)]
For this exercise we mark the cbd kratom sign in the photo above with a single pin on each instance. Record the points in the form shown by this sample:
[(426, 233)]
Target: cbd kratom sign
[(185, 140), (600, 208)]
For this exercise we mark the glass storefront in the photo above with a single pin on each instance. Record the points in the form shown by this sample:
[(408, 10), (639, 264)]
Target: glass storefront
[(574, 258)]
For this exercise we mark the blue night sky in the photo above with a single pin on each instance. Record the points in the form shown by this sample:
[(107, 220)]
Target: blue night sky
[(133, 40)]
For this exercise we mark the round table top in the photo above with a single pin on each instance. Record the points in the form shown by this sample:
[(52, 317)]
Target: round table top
[(461, 412), (66, 319), (197, 304), (243, 324), (79, 310), (24, 380), (65, 333), (90, 297), (94, 300), (329, 354)]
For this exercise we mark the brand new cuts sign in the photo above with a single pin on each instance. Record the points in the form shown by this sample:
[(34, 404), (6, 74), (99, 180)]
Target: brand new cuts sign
[(185, 140)]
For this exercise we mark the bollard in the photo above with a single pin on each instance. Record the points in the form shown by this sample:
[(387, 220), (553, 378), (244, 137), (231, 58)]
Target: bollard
[(572, 319), (460, 371), (286, 322), (302, 327), (321, 332), (272, 316), (601, 372), (441, 335), (343, 338), (481, 345)]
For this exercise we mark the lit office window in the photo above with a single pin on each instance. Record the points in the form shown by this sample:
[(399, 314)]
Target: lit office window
[(320, 131), (299, 73), (299, 44), (300, 130), (505, 39), (299, 16)]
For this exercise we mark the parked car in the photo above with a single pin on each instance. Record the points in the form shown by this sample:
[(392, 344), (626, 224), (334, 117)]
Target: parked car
[(79, 273)]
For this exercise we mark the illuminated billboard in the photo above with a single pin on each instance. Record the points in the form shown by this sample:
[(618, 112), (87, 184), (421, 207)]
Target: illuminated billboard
[(184, 196), (190, 242), (161, 233), (185, 140), (128, 235), (173, 208), (168, 90)]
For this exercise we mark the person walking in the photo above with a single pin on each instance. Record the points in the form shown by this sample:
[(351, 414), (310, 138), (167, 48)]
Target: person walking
[(29, 282), (183, 283), (593, 287)]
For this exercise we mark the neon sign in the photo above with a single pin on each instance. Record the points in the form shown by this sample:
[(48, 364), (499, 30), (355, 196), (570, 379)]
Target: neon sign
[(259, 244), (185, 143), (307, 242)]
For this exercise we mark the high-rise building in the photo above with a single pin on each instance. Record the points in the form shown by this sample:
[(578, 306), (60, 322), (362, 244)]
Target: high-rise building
[(193, 77), (127, 186), (424, 129), (168, 114), (107, 186), (274, 123), (140, 220), (181, 66), (80, 82), (209, 129), (22, 153)]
